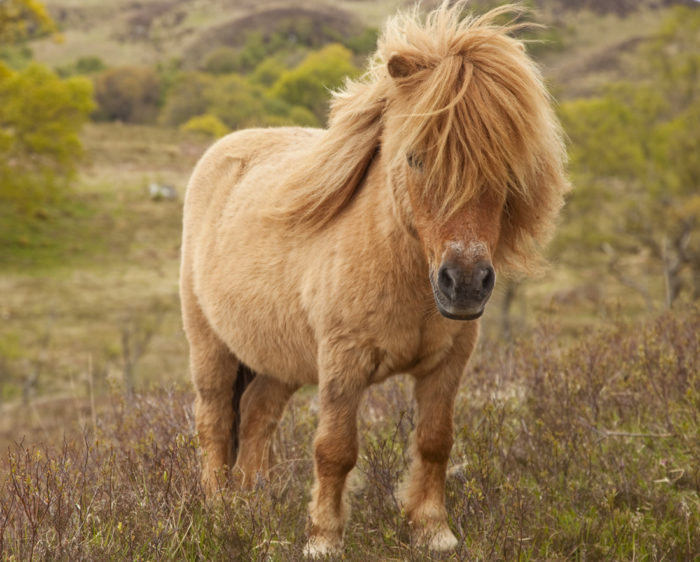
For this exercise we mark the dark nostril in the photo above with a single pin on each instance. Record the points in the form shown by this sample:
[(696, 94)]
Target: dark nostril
[(447, 281), (487, 277)]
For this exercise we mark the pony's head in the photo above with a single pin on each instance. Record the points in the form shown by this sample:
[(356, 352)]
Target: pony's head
[(471, 145), (469, 131)]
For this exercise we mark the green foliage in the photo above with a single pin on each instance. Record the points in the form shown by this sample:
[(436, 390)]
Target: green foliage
[(308, 84), (131, 94), (635, 148), (674, 58), (235, 101), (364, 42), (23, 19), (16, 56), (222, 60), (226, 60), (207, 124), (254, 50), (262, 82), (301, 116), (267, 72), (186, 98), (82, 66), (40, 117)]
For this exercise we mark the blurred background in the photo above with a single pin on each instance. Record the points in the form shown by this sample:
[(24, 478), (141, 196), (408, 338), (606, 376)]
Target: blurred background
[(106, 106)]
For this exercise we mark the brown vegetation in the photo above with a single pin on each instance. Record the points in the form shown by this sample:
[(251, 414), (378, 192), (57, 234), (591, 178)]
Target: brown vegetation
[(563, 452)]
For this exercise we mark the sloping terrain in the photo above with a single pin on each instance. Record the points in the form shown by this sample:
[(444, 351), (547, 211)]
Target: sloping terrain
[(591, 38)]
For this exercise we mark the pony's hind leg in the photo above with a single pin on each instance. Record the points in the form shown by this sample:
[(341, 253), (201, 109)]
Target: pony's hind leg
[(262, 406), (213, 369), (213, 373)]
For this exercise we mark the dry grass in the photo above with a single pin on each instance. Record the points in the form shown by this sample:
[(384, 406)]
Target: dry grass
[(588, 451)]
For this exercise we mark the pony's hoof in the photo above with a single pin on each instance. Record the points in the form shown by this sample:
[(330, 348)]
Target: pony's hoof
[(321, 546), (442, 541), (439, 539)]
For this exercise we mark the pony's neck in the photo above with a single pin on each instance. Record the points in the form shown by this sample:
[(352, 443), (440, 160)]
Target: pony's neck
[(387, 205)]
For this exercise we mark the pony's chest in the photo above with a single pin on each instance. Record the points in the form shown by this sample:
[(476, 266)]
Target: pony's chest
[(417, 351)]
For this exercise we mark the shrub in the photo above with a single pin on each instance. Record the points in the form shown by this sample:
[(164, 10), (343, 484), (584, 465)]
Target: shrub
[(582, 451), (40, 117), (207, 124), (308, 84), (235, 101), (23, 19), (267, 72), (222, 60), (83, 65), (128, 93), (186, 98)]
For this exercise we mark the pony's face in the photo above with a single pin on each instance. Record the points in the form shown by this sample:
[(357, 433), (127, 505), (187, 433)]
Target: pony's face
[(458, 249)]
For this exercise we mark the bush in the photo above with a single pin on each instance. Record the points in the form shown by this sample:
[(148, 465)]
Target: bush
[(186, 98), (82, 66), (207, 124), (40, 117), (308, 84), (21, 20), (235, 101), (128, 93), (563, 452), (16, 56), (223, 60), (267, 72)]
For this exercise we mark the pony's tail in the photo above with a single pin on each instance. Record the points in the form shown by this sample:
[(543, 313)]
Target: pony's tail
[(244, 376)]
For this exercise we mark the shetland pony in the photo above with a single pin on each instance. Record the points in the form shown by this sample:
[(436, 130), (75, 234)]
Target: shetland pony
[(340, 257)]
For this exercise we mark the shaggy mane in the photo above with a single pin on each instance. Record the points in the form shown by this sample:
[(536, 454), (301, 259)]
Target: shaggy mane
[(471, 106)]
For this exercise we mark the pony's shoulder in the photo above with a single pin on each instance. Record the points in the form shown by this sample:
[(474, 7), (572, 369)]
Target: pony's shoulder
[(238, 153)]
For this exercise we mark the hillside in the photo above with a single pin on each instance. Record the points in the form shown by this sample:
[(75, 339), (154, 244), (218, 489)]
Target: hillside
[(591, 38), (147, 32)]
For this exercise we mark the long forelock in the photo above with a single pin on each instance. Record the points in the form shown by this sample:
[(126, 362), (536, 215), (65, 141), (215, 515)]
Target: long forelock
[(474, 109)]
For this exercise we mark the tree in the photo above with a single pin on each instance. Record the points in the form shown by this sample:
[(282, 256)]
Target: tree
[(40, 114), (128, 93), (40, 117), (235, 101), (308, 84), (186, 98), (635, 159), (23, 19)]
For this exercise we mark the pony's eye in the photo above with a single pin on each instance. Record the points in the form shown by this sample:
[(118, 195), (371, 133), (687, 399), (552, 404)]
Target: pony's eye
[(414, 161)]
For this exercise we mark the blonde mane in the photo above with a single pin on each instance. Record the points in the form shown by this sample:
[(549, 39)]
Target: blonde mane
[(466, 100)]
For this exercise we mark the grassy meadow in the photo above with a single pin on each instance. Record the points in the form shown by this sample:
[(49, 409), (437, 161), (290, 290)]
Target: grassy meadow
[(578, 420)]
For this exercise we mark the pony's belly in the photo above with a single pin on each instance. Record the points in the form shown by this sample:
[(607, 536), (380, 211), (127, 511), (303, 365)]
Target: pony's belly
[(269, 337)]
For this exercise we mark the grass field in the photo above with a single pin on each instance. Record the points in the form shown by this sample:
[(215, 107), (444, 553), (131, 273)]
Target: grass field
[(78, 282)]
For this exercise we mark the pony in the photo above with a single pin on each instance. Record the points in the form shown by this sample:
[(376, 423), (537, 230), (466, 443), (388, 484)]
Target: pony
[(343, 256)]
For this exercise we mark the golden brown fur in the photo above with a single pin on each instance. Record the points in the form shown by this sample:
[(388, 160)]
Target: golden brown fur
[(311, 255), (472, 104)]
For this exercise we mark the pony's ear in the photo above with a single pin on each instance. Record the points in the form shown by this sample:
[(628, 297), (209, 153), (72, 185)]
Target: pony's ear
[(400, 66)]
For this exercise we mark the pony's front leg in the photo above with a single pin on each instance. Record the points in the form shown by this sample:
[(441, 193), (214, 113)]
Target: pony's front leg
[(423, 491), (335, 452)]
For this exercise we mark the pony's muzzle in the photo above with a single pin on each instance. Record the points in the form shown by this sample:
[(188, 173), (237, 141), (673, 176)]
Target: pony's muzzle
[(461, 292)]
